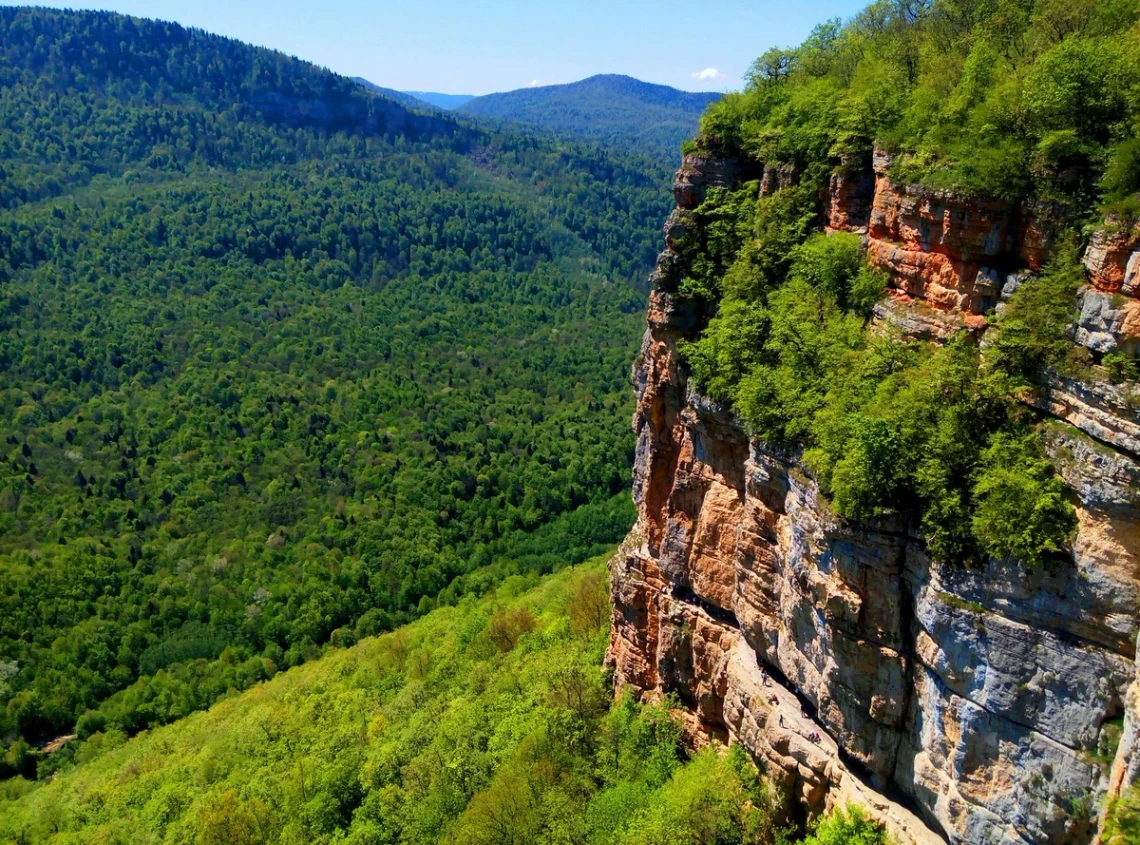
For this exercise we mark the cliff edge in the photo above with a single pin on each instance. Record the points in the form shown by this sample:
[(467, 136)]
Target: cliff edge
[(995, 703)]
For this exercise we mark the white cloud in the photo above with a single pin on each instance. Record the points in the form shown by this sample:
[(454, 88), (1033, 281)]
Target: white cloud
[(534, 83), (709, 74)]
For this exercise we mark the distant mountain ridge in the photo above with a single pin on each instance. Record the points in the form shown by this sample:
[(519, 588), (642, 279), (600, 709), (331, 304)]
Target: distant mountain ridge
[(620, 111), (429, 100), (402, 97), (443, 101), (611, 108)]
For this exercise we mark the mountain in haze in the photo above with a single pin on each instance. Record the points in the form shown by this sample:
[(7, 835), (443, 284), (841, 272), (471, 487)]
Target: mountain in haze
[(616, 110), (444, 101)]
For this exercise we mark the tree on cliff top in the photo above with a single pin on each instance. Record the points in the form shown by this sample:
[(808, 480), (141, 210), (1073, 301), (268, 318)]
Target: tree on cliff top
[(1013, 99), (1006, 98), (848, 825)]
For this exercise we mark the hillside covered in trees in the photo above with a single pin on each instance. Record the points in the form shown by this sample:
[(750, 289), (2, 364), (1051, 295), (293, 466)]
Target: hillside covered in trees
[(620, 111), (297, 377), (282, 363), (489, 722)]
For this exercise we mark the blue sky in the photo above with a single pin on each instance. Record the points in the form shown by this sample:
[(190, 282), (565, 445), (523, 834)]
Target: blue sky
[(480, 46)]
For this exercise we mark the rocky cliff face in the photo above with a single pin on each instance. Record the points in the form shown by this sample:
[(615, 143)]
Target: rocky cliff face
[(995, 705)]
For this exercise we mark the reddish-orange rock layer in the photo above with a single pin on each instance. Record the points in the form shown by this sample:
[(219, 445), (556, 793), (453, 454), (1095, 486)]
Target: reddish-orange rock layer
[(955, 252), (949, 252), (1113, 259)]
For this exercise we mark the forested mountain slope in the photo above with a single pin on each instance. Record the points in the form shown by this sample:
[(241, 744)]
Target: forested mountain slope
[(620, 111), (280, 362), (489, 722)]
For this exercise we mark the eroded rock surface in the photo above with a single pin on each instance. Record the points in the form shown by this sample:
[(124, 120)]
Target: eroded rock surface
[(955, 254), (972, 705)]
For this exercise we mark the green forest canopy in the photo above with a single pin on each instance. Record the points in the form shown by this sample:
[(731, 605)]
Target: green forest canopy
[(1019, 99), (285, 364), (489, 722), (282, 363)]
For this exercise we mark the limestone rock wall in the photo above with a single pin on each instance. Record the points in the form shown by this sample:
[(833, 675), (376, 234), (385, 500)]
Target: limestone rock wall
[(975, 705)]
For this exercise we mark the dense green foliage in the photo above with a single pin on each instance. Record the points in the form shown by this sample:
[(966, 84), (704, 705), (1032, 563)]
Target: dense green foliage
[(91, 94), (489, 722), (281, 363), (616, 110), (1024, 100), (1122, 821), (1005, 98), (1035, 323), (847, 826), (887, 423)]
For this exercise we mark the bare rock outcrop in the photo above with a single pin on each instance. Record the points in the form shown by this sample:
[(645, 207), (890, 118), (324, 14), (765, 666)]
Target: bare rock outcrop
[(700, 172), (1113, 258)]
